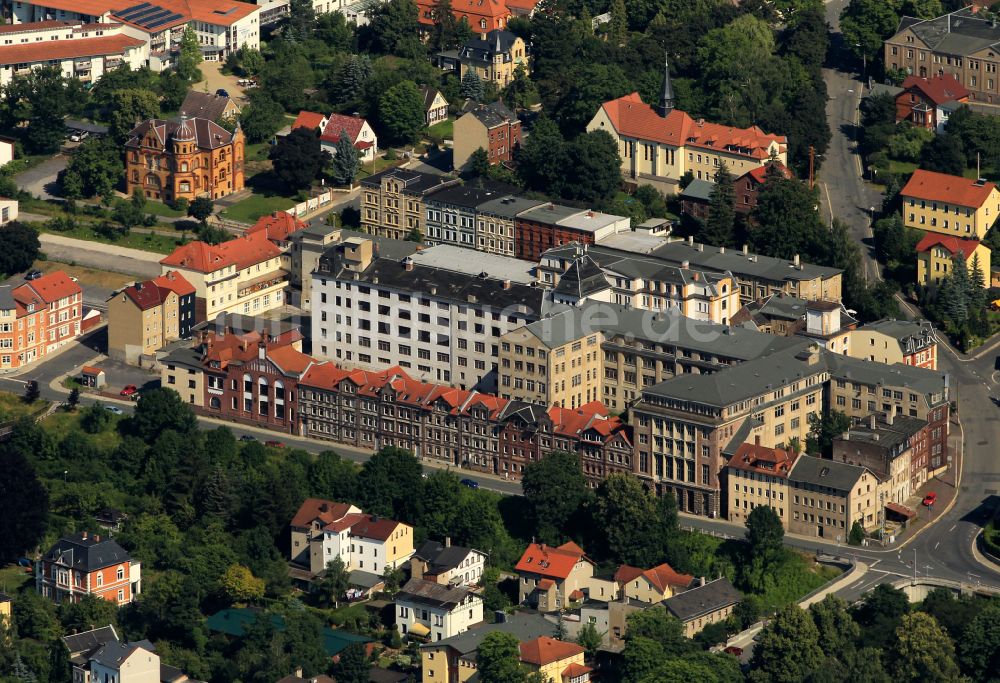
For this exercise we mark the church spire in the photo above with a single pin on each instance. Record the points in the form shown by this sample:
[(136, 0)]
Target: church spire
[(667, 99)]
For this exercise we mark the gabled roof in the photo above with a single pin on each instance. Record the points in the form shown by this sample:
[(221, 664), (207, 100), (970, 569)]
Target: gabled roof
[(145, 295), (632, 117), (941, 187), (198, 256), (375, 528), (433, 594), (87, 553), (660, 577), (278, 226), (337, 123), (759, 174), (938, 89), (702, 600), (440, 557), (114, 654), (545, 650), (955, 245), (52, 287), (555, 563), (493, 114), (175, 282), (289, 360), (206, 105), (77, 48), (324, 511), (309, 119), (90, 640), (430, 94)]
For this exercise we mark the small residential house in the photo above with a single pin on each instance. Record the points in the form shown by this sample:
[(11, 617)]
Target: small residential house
[(651, 585), (430, 611), (125, 663), (747, 187), (492, 127), (87, 564), (938, 254), (209, 105), (703, 605), (330, 127), (929, 102), (313, 516), (447, 564), (552, 578), (435, 106), (557, 661), (494, 57)]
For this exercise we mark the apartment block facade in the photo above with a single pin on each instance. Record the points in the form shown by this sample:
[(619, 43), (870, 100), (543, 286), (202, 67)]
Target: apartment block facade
[(144, 316), (392, 202), (37, 317)]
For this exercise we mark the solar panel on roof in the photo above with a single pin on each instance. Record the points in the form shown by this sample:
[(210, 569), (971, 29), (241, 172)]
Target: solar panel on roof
[(133, 12), (165, 20), (150, 14), (132, 8)]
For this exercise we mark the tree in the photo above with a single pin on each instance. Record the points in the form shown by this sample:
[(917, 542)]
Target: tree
[(880, 613), (590, 639), (658, 626), (94, 169), (447, 33), (353, 79), (478, 165), (333, 477), (21, 672), (353, 666), (543, 158), (42, 99), (866, 23), (721, 222), (498, 659), (87, 613), (836, 628), (261, 119), (788, 649), (298, 158), (31, 392), (554, 489), (390, 27), (285, 77), (857, 535), (24, 504), (401, 112), (162, 409), (346, 161), (979, 647), (640, 659), (388, 481), (129, 108), (334, 583), (824, 429), (626, 517), (595, 168), (944, 154), (200, 209), (785, 218), (765, 533), (189, 57), (617, 28), (73, 400), (128, 214), (472, 86), (240, 585), (922, 651), (521, 92), (301, 21), (333, 30)]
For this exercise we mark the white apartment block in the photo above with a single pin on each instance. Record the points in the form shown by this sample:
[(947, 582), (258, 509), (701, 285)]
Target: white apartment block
[(431, 611)]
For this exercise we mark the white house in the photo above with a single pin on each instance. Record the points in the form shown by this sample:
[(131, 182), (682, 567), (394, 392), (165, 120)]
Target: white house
[(8, 210), (428, 610), (125, 663), (447, 564)]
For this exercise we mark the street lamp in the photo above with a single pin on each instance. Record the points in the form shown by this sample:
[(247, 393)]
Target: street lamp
[(864, 59)]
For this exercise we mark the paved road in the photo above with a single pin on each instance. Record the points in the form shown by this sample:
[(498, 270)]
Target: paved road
[(144, 264), (40, 181)]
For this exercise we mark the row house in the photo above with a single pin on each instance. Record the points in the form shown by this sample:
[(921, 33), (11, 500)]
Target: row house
[(551, 225), (87, 564), (145, 316), (38, 317), (911, 342), (659, 145), (392, 202), (451, 213), (755, 276), (243, 275), (758, 475), (493, 128), (496, 223), (826, 322), (448, 564)]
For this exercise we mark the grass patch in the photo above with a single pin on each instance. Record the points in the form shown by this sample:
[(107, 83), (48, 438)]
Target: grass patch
[(160, 209), (256, 152), (443, 129), (160, 244), (255, 206), (87, 276), (12, 578), (380, 165), (13, 408), (902, 167), (348, 613)]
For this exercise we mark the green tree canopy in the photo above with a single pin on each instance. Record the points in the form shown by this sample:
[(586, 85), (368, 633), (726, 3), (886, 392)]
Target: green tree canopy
[(922, 651), (554, 489), (788, 649), (346, 162), (298, 158), (159, 410), (401, 112), (721, 223), (20, 247), (93, 170)]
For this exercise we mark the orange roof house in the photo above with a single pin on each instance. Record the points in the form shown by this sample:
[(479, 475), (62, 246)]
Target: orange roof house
[(550, 577), (278, 226), (651, 585), (555, 659), (950, 205), (937, 256), (928, 102), (940, 187), (482, 15)]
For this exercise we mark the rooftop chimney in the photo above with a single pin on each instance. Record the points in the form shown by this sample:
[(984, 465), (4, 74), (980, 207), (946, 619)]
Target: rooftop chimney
[(795, 261), (746, 249), (447, 541), (756, 440), (83, 535), (691, 240), (97, 539), (506, 284)]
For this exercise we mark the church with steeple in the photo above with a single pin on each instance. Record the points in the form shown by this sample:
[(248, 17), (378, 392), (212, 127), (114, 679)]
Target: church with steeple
[(185, 159), (659, 144)]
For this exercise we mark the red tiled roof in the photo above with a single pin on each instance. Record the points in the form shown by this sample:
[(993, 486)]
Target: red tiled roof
[(659, 577), (90, 370), (325, 511), (378, 528), (525, 6), (955, 245), (36, 26), (941, 187), (44, 51), (145, 295), (550, 562), (338, 123), (250, 249), (343, 523), (198, 256), (277, 226), (289, 360), (544, 650), (632, 117), (759, 174), (751, 457), (308, 119), (494, 11), (938, 89), (546, 584), (175, 282), (575, 670), (53, 286)]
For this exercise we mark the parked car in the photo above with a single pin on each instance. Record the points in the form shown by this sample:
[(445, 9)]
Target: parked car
[(221, 92), (247, 437), (33, 275), (129, 390), (79, 136), (734, 651), (930, 499), (471, 483), (274, 444), (114, 409)]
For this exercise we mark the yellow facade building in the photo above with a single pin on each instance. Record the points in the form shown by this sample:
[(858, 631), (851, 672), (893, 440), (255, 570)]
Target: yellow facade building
[(949, 205), (557, 661), (494, 57), (392, 202), (938, 255), (541, 363)]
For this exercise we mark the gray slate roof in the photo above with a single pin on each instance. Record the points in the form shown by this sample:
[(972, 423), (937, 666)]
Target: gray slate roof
[(497, 41), (583, 278), (958, 33), (886, 436), (414, 182), (432, 594), (441, 558), (920, 380), (702, 600), (206, 105), (911, 334), (508, 206), (113, 653), (700, 190), (524, 625), (87, 554), (839, 476), (90, 640), (493, 114), (470, 195)]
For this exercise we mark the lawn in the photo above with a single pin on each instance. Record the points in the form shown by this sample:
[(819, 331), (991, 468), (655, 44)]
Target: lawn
[(380, 165), (160, 209), (87, 276), (13, 408), (443, 129), (257, 152), (160, 244), (255, 206), (12, 578)]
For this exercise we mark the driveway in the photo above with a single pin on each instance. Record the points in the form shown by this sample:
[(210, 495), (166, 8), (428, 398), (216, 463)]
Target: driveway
[(213, 79), (40, 181)]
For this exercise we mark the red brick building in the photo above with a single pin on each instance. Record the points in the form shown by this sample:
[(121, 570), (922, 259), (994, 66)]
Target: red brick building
[(84, 564), (922, 99), (38, 317), (551, 225), (747, 186)]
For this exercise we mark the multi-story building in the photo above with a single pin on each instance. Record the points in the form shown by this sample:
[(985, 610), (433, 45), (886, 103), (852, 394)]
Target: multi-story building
[(310, 521), (555, 660), (495, 223), (480, 16), (78, 50), (651, 586), (430, 611), (860, 388), (550, 225), (451, 213), (491, 127), (756, 276), (494, 57), (929, 102), (125, 663), (242, 276), (169, 160), (144, 316), (37, 317), (706, 604), (392, 202), (911, 342), (658, 146), (552, 578), (938, 255), (826, 322), (86, 564), (447, 564), (687, 427), (959, 44), (444, 323), (826, 498), (950, 205), (758, 475)]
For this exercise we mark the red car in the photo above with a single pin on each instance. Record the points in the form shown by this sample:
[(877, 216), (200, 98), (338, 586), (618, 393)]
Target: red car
[(930, 499), (734, 651), (129, 390), (274, 444)]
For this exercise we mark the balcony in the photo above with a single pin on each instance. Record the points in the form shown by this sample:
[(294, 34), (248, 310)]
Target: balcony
[(261, 283)]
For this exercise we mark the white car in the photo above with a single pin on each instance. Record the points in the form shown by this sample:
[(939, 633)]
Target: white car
[(114, 409), (79, 136)]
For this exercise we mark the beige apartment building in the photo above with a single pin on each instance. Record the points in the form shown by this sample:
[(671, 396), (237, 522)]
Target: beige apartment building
[(541, 363), (949, 205), (826, 498), (495, 229), (686, 427), (758, 475), (392, 202), (911, 342)]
